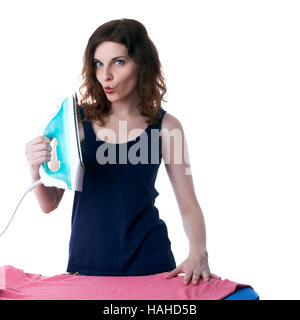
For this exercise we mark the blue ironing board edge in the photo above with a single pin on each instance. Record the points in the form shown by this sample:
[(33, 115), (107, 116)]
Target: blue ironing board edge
[(243, 293)]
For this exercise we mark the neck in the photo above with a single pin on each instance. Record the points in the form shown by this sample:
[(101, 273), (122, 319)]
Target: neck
[(125, 109)]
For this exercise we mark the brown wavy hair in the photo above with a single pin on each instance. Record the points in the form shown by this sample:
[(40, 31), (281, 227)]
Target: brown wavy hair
[(151, 83)]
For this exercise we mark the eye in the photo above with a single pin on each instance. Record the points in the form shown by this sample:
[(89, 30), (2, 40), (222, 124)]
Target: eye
[(97, 62), (121, 61)]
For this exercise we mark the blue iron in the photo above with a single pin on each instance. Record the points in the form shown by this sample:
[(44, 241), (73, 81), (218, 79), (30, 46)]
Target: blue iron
[(63, 126)]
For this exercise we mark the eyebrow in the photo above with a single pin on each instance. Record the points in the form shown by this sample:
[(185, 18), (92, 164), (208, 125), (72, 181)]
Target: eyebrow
[(112, 58)]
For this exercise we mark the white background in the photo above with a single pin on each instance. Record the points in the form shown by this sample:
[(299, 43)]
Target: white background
[(233, 74)]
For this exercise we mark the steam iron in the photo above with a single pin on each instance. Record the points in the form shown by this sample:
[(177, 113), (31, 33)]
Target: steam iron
[(63, 126)]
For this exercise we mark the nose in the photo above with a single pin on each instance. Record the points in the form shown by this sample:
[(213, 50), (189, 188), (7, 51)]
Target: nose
[(107, 76)]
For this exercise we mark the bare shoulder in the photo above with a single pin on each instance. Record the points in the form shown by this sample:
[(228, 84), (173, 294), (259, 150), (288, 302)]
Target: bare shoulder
[(170, 122), (81, 131), (173, 139)]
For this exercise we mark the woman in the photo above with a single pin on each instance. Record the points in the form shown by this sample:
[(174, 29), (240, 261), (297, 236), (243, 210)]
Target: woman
[(116, 229)]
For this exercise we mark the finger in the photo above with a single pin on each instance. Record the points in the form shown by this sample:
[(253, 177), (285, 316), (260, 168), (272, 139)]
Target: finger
[(205, 275), (173, 273), (40, 147), (212, 275), (196, 277), (41, 139), (187, 277)]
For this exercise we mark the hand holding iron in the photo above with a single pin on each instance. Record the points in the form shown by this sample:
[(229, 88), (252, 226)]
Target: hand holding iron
[(37, 151)]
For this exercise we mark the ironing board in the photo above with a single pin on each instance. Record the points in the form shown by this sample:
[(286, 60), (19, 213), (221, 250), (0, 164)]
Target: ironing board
[(15, 284)]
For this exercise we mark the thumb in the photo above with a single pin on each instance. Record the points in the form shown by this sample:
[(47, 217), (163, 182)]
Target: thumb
[(174, 272)]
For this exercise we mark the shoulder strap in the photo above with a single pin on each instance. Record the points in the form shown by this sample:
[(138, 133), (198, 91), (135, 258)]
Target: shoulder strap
[(81, 112), (162, 111)]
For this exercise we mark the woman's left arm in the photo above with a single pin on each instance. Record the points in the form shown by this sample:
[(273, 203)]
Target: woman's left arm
[(176, 159)]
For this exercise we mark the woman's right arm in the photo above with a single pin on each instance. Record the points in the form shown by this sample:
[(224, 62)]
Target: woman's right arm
[(38, 151)]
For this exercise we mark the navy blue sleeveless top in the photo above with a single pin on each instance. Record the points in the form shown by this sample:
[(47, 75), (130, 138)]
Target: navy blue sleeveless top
[(116, 229)]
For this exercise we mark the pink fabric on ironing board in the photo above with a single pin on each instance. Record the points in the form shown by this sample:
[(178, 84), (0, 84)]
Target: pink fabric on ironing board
[(19, 285)]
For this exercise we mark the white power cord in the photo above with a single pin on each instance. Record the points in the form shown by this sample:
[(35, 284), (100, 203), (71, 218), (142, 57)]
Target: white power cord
[(37, 183)]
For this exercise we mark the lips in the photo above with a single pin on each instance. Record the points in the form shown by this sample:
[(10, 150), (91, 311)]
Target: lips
[(108, 89)]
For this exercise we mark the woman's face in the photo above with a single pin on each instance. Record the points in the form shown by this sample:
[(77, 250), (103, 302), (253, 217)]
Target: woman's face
[(115, 69)]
